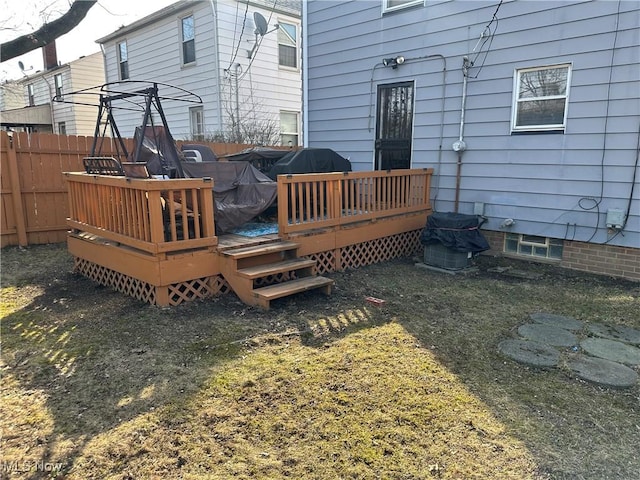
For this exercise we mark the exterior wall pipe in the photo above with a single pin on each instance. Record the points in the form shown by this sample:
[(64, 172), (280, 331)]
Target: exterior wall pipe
[(214, 11), (460, 145), (305, 77)]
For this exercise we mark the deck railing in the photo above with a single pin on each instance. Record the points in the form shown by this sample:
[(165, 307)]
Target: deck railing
[(153, 215), (322, 200)]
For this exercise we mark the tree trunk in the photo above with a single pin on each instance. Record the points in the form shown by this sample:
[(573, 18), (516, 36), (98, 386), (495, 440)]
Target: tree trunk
[(48, 32)]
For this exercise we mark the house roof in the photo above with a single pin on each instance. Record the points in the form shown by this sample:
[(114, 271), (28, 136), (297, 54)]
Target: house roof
[(155, 16), (290, 7), (57, 69)]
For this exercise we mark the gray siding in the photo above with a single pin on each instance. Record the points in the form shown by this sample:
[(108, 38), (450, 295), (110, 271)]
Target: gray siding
[(545, 181)]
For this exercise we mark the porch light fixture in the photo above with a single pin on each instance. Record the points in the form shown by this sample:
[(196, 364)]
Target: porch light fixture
[(393, 62)]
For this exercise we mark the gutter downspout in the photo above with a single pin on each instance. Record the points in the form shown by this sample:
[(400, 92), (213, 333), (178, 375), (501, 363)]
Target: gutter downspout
[(305, 78), (460, 146), (237, 67), (218, 90), (53, 119)]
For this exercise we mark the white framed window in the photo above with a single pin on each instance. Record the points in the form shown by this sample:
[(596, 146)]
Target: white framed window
[(541, 98), (287, 45), (289, 129), (533, 246), (393, 5), (196, 121), (62, 128), (188, 29), (58, 83), (123, 60), (31, 95)]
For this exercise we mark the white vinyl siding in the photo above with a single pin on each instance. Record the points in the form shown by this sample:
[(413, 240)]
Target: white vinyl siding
[(155, 52)]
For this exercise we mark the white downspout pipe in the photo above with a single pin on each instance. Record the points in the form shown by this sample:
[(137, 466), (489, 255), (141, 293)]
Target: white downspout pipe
[(305, 78), (218, 89)]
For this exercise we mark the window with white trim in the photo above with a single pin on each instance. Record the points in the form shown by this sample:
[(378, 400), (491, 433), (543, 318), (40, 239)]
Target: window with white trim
[(289, 129), (533, 246), (287, 45), (58, 83), (196, 120), (31, 95), (123, 60), (62, 128), (393, 5), (188, 40), (541, 97)]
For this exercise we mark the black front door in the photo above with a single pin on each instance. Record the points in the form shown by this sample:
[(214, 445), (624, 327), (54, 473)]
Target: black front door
[(394, 126)]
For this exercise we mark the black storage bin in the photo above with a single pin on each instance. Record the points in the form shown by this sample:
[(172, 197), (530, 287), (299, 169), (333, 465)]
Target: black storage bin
[(451, 239)]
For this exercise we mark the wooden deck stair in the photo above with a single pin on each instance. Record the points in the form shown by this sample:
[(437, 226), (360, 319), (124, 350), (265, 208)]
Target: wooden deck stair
[(262, 273)]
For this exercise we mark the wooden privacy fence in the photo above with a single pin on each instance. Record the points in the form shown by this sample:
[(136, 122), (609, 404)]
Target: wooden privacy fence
[(34, 193), (322, 200), (34, 204)]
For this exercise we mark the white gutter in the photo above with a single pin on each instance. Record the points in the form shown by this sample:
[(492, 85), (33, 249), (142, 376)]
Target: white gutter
[(305, 78), (218, 89)]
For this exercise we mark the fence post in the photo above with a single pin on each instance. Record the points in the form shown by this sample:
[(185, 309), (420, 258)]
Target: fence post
[(16, 193)]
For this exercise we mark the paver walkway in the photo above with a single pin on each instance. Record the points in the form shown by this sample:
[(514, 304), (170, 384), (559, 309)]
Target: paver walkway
[(603, 354)]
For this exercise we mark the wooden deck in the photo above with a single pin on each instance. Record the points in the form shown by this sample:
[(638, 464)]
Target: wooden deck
[(132, 234)]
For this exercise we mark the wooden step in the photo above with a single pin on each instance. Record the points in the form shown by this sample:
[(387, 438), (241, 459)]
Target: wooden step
[(266, 294), (259, 271), (255, 251)]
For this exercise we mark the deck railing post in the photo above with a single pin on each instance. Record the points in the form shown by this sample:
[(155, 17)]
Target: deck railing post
[(283, 205), (155, 217)]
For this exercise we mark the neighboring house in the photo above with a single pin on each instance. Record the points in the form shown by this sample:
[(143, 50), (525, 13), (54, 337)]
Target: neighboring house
[(36, 112), (250, 83), (11, 95), (528, 112)]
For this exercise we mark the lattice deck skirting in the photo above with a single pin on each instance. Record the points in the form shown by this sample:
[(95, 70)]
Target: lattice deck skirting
[(368, 253), (177, 293), (351, 256)]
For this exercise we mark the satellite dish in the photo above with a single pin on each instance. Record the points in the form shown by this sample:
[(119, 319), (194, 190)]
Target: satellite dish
[(21, 65), (261, 24)]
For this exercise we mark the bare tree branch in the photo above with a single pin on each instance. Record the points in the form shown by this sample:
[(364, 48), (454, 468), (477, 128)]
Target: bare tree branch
[(48, 32)]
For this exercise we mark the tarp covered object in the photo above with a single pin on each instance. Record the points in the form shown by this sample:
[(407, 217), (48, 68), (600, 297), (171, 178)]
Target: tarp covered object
[(262, 158), (456, 231), (158, 151), (310, 160), (240, 191)]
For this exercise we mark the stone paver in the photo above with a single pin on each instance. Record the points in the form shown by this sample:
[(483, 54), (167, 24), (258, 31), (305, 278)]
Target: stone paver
[(568, 323), (603, 357), (548, 334), (602, 371), (615, 332), (530, 353), (612, 350)]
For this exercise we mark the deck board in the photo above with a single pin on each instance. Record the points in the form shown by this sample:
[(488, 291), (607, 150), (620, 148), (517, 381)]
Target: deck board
[(232, 240)]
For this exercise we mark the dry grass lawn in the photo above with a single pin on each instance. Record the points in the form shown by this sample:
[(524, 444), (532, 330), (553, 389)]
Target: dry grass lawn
[(96, 385)]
